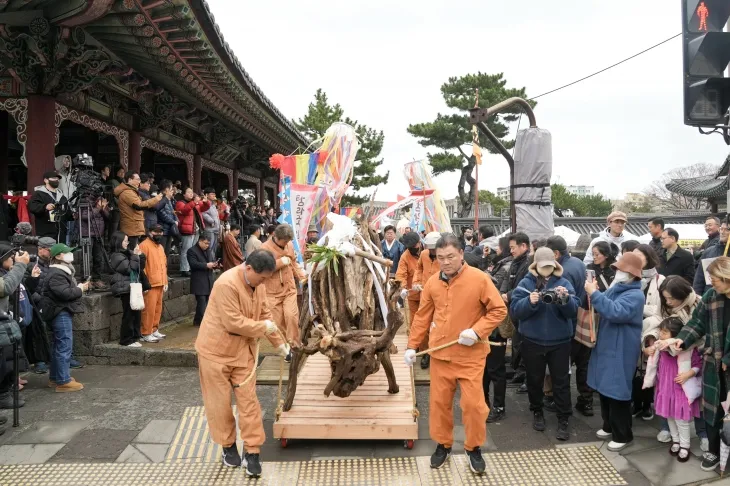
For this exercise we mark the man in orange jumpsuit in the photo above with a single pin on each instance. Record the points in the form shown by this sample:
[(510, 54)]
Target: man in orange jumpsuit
[(427, 266), (236, 316), (281, 286), (461, 303), (407, 267)]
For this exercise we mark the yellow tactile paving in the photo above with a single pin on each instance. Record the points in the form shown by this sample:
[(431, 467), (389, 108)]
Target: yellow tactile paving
[(564, 467)]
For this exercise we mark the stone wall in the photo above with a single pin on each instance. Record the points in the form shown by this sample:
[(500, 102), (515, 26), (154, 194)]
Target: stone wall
[(103, 317)]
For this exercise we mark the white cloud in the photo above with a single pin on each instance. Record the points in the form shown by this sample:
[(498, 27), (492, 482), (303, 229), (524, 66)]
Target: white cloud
[(384, 62)]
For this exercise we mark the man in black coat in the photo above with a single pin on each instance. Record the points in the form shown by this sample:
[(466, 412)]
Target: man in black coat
[(45, 205), (519, 246), (656, 228), (675, 260), (201, 276)]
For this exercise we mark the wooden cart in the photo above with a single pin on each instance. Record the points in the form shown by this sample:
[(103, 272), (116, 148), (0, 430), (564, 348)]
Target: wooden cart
[(369, 413)]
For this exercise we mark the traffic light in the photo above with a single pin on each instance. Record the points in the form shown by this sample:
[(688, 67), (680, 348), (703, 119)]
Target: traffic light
[(706, 56)]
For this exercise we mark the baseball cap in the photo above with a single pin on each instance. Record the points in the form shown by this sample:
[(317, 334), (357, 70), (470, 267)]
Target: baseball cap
[(51, 174), (544, 257), (59, 248), (616, 215)]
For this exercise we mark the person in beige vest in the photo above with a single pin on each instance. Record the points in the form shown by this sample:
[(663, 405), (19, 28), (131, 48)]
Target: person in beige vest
[(237, 315), (281, 287)]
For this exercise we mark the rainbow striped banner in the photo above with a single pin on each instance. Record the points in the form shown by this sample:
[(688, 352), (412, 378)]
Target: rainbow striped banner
[(351, 212)]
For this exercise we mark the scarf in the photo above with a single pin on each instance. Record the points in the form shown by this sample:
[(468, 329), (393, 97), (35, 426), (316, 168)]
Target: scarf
[(646, 277)]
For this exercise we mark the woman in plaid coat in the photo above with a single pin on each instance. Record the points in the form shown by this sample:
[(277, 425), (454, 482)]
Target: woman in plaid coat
[(710, 322)]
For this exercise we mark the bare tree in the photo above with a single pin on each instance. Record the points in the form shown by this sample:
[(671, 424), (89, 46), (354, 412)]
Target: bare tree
[(659, 193)]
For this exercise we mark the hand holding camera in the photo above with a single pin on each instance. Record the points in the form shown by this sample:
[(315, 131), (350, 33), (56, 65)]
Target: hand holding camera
[(22, 257)]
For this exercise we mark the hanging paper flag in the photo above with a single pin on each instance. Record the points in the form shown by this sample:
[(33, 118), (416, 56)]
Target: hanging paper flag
[(302, 200), (286, 213), (351, 212)]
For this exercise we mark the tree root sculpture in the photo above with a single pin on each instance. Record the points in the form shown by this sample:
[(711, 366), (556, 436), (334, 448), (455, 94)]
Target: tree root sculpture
[(347, 326)]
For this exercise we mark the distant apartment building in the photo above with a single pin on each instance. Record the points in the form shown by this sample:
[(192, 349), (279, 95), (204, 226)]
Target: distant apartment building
[(503, 192)]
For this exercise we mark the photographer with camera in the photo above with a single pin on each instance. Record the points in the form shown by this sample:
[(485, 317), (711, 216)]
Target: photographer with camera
[(545, 304), (150, 213), (166, 216), (12, 270), (131, 208), (47, 205)]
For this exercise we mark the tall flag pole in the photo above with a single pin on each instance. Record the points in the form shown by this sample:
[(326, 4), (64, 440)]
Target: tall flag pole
[(476, 152)]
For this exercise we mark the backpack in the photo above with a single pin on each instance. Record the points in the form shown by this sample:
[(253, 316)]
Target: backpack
[(25, 309)]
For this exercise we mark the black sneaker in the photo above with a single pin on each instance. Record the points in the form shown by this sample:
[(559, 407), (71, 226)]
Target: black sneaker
[(522, 389), (253, 465), (495, 415), (709, 461), (231, 457), (425, 361), (562, 433), (476, 461), (538, 421), (439, 458), (585, 408), (549, 404), (288, 357), (647, 414), (636, 411), (518, 379)]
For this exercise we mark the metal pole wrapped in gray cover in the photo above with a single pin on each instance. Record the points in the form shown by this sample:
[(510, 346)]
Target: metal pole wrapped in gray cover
[(533, 170)]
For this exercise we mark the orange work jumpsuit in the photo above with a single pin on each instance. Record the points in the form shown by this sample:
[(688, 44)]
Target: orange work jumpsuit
[(406, 271), (424, 270), (226, 347), (468, 300), (281, 290), (156, 271)]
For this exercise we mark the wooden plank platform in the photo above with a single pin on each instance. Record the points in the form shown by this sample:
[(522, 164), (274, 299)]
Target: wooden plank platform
[(369, 413)]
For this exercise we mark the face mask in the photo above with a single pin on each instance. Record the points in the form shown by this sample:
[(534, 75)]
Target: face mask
[(68, 257), (621, 278), (546, 271), (53, 184), (156, 238)]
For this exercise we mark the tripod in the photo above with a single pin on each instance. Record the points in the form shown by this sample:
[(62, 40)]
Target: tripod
[(85, 242), (16, 363)]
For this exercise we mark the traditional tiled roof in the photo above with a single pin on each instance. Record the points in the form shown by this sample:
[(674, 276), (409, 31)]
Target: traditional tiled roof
[(706, 187)]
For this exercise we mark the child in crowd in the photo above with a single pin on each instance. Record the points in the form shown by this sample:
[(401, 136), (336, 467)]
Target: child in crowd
[(677, 387)]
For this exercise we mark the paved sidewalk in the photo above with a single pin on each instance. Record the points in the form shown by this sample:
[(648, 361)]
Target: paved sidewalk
[(135, 415)]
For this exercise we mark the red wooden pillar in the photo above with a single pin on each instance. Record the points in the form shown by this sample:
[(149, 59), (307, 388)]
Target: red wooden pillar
[(135, 151), (4, 162), (234, 187), (41, 144), (197, 174)]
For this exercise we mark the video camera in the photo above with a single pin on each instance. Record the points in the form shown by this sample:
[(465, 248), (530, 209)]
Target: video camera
[(89, 184), (552, 296)]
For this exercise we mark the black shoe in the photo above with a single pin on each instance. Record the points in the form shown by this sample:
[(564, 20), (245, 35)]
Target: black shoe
[(538, 421), (518, 379), (288, 357), (6, 401), (438, 459), (476, 461), (585, 408), (231, 457), (425, 361), (549, 404), (636, 411), (522, 389), (496, 415), (647, 414), (562, 433), (253, 465), (709, 461)]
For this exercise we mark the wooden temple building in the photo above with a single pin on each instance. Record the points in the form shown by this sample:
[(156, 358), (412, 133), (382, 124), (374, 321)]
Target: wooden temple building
[(713, 188), (146, 85)]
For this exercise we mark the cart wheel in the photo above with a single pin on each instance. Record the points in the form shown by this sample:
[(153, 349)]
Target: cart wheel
[(408, 444), (284, 443)]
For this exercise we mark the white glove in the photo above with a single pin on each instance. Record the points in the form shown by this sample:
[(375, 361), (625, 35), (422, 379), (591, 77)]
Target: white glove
[(404, 293), (284, 350), (285, 260), (409, 357), (417, 287), (468, 337), (164, 289), (270, 327)]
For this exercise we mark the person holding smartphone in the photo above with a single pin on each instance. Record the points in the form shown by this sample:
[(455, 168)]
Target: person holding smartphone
[(201, 275)]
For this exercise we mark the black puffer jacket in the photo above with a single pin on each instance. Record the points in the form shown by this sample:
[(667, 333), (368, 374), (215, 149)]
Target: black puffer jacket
[(123, 263), (58, 292)]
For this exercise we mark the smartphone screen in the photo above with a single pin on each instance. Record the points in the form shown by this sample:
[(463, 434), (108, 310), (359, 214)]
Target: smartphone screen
[(590, 275)]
